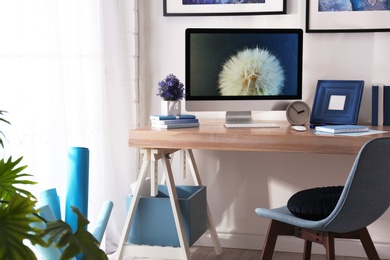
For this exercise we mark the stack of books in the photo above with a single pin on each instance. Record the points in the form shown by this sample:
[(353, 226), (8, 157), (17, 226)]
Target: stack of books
[(169, 122), (339, 129)]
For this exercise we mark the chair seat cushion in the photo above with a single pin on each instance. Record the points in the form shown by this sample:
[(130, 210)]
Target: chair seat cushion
[(316, 203)]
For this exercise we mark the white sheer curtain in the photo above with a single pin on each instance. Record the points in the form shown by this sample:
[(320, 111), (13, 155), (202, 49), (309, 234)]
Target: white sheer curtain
[(66, 79)]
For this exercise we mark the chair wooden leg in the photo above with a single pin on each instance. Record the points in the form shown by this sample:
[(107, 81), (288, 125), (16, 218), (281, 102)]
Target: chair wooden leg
[(270, 240), (329, 246), (275, 228), (307, 250), (365, 239), (368, 245)]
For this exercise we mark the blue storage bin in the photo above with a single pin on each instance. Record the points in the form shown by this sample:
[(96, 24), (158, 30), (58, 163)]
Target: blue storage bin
[(153, 222)]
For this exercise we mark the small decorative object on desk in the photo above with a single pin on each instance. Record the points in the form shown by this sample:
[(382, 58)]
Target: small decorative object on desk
[(170, 107), (170, 121), (337, 102), (338, 129), (171, 90)]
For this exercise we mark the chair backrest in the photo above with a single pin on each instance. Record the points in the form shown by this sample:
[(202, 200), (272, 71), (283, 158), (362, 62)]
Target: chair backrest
[(366, 194)]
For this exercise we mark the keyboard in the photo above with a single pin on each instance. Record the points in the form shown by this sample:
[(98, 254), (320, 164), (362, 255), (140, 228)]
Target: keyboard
[(251, 125)]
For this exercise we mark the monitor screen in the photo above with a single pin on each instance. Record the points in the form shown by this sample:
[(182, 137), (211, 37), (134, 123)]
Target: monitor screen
[(238, 70)]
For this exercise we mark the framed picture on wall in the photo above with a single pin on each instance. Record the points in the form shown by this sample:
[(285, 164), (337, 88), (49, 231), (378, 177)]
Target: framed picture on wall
[(223, 7), (347, 16), (337, 102)]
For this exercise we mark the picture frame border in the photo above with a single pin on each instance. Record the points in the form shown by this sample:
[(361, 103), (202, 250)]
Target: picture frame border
[(168, 12), (337, 21), (321, 114)]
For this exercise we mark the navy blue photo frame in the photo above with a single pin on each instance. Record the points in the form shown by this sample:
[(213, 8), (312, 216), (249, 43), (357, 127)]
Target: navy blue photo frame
[(337, 102)]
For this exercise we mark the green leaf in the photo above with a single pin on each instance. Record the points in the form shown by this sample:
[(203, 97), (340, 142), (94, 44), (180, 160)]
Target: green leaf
[(81, 242), (15, 219), (1, 118), (10, 175), (5, 121)]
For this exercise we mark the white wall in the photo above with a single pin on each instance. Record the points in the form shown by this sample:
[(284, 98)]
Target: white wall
[(238, 182)]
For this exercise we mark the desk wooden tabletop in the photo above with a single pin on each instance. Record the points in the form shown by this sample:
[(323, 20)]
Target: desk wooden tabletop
[(212, 135)]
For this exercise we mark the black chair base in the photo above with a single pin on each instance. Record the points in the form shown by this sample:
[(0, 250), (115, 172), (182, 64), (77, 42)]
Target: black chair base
[(277, 228)]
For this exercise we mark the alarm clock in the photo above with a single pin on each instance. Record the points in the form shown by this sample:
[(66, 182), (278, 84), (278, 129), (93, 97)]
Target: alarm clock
[(298, 113)]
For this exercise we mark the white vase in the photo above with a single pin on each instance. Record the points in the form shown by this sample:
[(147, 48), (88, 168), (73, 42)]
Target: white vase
[(170, 108)]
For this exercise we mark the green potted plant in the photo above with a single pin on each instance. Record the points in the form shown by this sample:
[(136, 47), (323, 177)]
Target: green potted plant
[(18, 215)]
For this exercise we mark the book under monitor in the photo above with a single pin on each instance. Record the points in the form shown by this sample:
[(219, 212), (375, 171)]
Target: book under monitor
[(171, 126)]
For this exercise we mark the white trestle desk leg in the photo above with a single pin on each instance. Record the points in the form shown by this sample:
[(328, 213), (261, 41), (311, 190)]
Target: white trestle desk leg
[(134, 202), (150, 158), (175, 207), (153, 174), (170, 156), (197, 181), (183, 165)]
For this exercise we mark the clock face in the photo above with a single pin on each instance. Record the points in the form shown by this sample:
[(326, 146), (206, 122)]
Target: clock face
[(298, 113)]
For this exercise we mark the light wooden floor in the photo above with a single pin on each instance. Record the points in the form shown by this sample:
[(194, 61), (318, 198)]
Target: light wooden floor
[(207, 253)]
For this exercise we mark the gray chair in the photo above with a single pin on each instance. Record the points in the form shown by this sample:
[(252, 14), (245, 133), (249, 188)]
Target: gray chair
[(364, 199)]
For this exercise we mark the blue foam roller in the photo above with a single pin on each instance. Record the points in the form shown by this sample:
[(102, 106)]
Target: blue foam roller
[(50, 197), (78, 176), (102, 220)]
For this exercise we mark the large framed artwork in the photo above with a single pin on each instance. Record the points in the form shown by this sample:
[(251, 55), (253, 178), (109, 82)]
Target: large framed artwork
[(223, 7), (347, 15), (337, 102)]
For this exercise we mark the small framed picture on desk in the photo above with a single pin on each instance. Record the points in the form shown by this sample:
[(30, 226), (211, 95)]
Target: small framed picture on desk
[(337, 102)]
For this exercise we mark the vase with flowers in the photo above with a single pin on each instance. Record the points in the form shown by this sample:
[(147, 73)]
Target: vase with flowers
[(171, 90)]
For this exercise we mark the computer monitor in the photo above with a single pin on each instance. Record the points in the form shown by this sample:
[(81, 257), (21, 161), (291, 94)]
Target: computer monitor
[(242, 70)]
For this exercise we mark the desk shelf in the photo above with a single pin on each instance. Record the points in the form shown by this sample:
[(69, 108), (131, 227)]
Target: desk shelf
[(154, 223)]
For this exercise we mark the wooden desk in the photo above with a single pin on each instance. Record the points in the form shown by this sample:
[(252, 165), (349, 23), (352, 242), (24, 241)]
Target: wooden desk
[(212, 135), (156, 144)]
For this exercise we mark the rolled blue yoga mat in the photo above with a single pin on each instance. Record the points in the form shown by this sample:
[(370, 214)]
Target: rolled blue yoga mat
[(102, 220), (78, 176), (51, 252), (50, 197)]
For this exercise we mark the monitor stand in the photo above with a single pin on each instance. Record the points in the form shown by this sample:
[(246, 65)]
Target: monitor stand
[(238, 117)]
